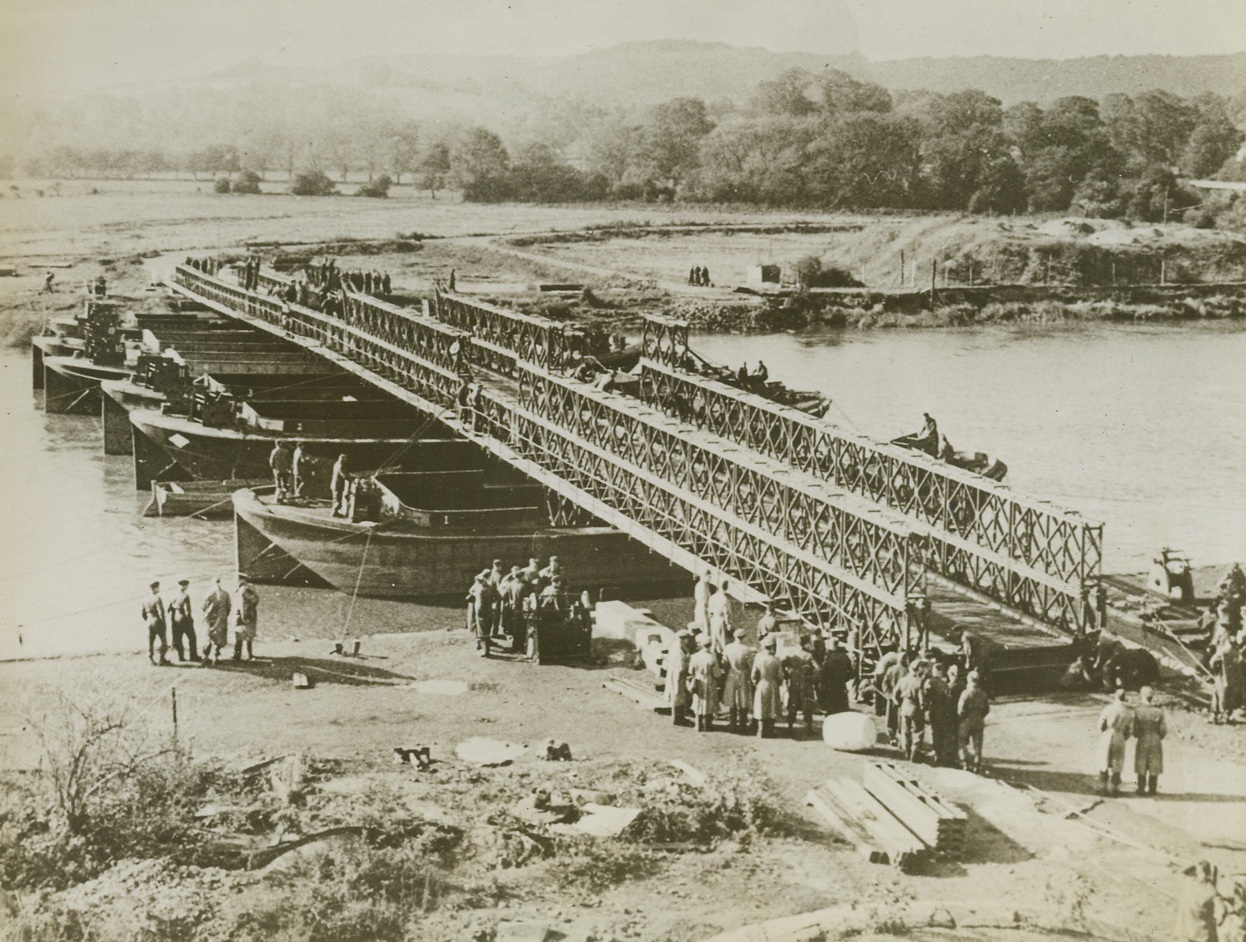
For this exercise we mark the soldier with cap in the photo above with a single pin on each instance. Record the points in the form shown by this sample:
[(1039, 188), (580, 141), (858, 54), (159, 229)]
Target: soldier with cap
[(834, 676), (156, 619), (282, 463), (1116, 725), (677, 676), (767, 687), (246, 617), (798, 668), (182, 621), (1149, 732), (972, 710), (737, 689), (216, 608), (719, 611), (701, 593), (703, 675)]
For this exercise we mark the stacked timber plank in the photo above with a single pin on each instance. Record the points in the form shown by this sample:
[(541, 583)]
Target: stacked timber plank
[(890, 816), (940, 825)]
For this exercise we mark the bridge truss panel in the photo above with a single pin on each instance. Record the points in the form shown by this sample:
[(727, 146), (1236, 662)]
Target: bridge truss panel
[(538, 340), (1024, 554), (607, 483)]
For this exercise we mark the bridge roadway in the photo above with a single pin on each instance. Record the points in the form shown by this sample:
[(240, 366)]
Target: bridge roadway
[(521, 418), (750, 512)]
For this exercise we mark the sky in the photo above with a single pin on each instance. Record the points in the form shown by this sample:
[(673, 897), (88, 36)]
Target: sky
[(103, 43)]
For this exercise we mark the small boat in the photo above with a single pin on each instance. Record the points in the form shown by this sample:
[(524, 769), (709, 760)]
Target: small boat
[(206, 499), (425, 536)]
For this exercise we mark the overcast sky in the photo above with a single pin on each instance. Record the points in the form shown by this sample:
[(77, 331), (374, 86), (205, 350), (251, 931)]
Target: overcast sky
[(77, 43)]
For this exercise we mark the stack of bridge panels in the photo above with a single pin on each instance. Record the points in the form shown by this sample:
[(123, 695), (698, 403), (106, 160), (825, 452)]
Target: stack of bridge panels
[(866, 822), (891, 816), (940, 825)]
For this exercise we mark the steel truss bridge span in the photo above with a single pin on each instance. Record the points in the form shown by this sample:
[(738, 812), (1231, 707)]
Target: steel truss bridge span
[(668, 485), (977, 533)]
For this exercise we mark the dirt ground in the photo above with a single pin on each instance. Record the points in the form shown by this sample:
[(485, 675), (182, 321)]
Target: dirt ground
[(1116, 865)]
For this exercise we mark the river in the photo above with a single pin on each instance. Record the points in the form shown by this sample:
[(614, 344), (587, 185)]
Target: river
[(1142, 427)]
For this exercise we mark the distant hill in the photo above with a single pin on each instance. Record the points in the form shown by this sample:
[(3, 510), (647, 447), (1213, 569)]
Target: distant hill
[(1044, 80), (647, 72)]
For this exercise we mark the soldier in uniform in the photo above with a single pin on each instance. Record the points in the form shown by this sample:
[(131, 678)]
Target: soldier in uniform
[(767, 687), (703, 675), (972, 710), (701, 593), (941, 714), (911, 710), (1116, 725), (156, 619), (216, 609), (246, 618), (737, 691), (836, 674), (719, 610), (1149, 732), (799, 670), (677, 677), (282, 463), (337, 486), (182, 621), (768, 623)]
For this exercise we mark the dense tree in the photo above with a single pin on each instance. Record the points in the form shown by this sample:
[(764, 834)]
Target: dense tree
[(785, 94), (1212, 141), (964, 140), (865, 160), (669, 141), (433, 169), (480, 166), (842, 94), (757, 160)]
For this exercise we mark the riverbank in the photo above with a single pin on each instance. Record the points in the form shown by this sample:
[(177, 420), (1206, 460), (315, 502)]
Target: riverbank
[(451, 852)]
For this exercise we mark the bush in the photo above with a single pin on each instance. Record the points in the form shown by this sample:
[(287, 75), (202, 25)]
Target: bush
[(221, 185), (248, 182), (312, 183), (377, 189)]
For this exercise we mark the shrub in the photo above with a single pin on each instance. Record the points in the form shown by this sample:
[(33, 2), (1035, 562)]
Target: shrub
[(221, 185), (377, 189), (312, 183), (248, 182)]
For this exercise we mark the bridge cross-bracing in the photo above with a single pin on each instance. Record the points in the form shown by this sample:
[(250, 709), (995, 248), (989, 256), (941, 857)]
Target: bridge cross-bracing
[(732, 519), (1024, 553)]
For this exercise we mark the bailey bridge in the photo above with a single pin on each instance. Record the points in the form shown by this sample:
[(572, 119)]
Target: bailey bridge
[(845, 532)]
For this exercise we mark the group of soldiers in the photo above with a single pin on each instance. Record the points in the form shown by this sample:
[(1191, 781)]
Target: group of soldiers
[(950, 698), (1227, 637), (711, 667), (699, 275), (497, 600), (221, 612), (1142, 722)]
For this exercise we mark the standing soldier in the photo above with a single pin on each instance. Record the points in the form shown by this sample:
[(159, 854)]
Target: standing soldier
[(155, 618), (337, 486), (216, 608), (941, 714), (836, 674), (677, 677), (1116, 725), (719, 618), (1149, 731), (246, 617), (799, 668), (297, 469), (482, 600), (182, 621), (703, 674), (972, 709), (1226, 665), (701, 593), (767, 687), (911, 710), (737, 691), (282, 463), (768, 623)]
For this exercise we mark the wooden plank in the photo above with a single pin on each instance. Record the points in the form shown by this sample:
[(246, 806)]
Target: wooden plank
[(633, 691), (839, 818), (925, 814), (902, 845)]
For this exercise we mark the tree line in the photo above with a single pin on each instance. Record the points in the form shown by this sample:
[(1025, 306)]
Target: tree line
[(825, 141)]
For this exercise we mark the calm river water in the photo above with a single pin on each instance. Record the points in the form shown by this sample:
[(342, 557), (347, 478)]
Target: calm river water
[(1144, 428)]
